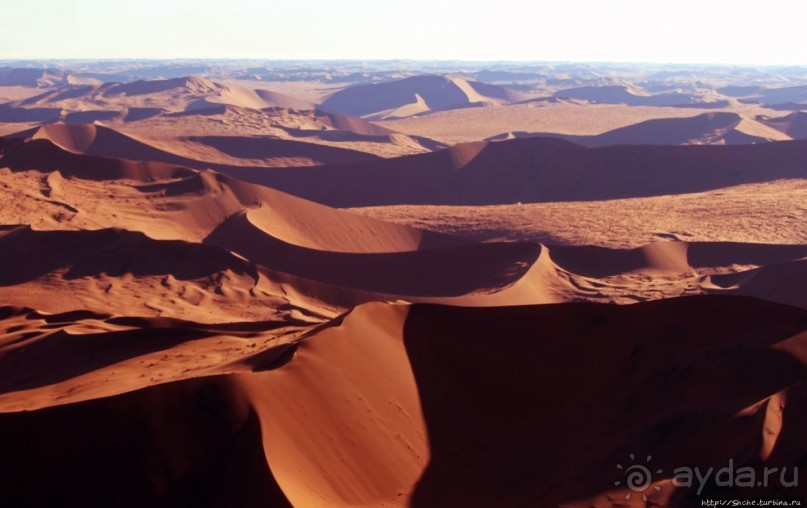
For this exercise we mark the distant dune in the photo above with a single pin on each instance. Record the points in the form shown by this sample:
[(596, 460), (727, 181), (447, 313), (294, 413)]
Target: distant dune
[(771, 96), (539, 170), (621, 94), (41, 78), (705, 129), (794, 124), (415, 95), (197, 152), (170, 95), (192, 105)]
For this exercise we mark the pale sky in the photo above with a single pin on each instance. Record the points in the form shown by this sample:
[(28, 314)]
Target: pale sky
[(679, 31)]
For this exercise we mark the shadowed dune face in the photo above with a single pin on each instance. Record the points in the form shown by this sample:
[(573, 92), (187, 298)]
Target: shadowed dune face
[(197, 107), (484, 267), (199, 152), (539, 364), (794, 124), (618, 94), (706, 129), (148, 87), (414, 95), (779, 282), (194, 443), (44, 155), (672, 256), (26, 255), (540, 170), (438, 406)]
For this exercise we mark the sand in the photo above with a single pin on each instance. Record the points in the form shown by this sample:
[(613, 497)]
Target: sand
[(538, 170), (465, 125), (186, 320)]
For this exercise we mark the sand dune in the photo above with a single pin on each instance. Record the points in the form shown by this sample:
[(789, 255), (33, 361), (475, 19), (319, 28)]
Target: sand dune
[(188, 94), (415, 95), (540, 170), (178, 105), (557, 116), (378, 409), (200, 152), (321, 261), (705, 129), (782, 95), (672, 256), (794, 124), (185, 320), (31, 153), (41, 78), (622, 94), (779, 282), (771, 212), (128, 273), (485, 267), (283, 235)]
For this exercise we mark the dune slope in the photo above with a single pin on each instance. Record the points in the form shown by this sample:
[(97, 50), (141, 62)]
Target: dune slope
[(429, 405), (539, 170)]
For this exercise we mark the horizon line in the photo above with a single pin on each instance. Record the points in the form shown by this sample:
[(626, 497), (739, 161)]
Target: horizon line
[(392, 60)]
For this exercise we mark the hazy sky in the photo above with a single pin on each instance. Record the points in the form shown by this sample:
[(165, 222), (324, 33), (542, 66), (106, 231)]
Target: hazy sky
[(683, 31)]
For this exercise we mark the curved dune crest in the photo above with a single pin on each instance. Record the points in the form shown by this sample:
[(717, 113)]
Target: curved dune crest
[(386, 406), (537, 170), (188, 318), (199, 107), (42, 154), (484, 267), (355, 378), (415, 95), (128, 273), (780, 282), (793, 125), (198, 152), (716, 128)]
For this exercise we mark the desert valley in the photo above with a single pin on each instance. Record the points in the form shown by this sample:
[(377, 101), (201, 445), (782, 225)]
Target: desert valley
[(426, 284)]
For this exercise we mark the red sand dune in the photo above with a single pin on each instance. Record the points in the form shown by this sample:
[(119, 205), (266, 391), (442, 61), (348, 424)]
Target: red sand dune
[(409, 96), (199, 340), (623, 94), (672, 256), (705, 129), (538, 170), (483, 267), (794, 124), (200, 152), (193, 106), (30, 153), (438, 406), (780, 282)]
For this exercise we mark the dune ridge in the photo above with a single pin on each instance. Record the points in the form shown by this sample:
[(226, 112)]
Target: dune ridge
[(536, 170), (412, 403), (705, 129), (414, 95)]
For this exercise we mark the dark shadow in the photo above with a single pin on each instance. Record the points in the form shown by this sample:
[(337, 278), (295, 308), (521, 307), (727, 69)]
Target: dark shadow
[(536, 406), (27, 255), (190, 443), (538, 170), (450, 271)]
